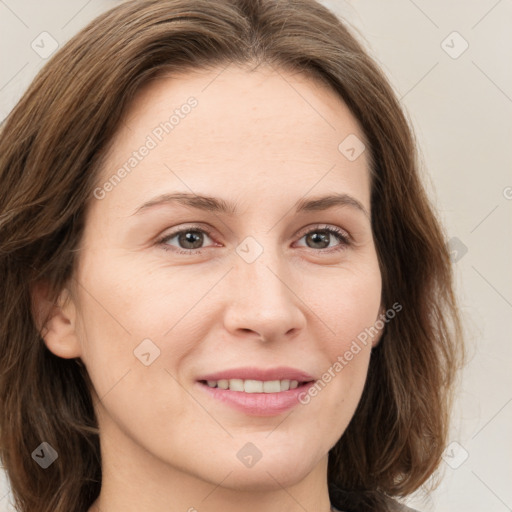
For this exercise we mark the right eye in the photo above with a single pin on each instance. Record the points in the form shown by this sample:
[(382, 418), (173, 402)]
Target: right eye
[(189, 240)]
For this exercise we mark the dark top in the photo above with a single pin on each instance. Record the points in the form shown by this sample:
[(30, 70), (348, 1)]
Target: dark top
[(397, 507), (351, 501)]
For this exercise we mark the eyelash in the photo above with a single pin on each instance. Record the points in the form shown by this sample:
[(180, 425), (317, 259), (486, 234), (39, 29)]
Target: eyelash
[(342, 237)]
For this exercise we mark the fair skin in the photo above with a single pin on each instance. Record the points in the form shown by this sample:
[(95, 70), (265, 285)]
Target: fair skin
[(262, 140)]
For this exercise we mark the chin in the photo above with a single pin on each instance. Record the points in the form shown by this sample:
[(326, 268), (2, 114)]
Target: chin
[(266, 478), (272, 472)]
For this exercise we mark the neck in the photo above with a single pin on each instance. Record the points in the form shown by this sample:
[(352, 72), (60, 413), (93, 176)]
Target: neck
[(134, 480)]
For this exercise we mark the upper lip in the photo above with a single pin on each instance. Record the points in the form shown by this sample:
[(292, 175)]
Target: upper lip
[(263, 374)]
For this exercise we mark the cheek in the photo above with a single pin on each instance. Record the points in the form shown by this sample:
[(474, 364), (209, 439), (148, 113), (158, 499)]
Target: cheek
[(347, 302), (348, 306), (138, 322)]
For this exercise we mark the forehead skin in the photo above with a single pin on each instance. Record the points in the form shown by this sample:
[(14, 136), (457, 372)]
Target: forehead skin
[(255, 136)]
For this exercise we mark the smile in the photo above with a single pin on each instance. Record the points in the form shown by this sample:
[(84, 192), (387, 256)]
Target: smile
[(254, 386), (256, 391)]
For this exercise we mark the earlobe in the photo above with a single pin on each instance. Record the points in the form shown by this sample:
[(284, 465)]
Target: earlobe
[(56, 322)]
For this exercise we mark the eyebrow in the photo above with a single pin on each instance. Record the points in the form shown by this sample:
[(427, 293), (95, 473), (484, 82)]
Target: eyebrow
[(218, 205)]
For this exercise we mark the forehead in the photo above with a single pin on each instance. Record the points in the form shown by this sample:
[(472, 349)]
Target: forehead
[(265, 132)]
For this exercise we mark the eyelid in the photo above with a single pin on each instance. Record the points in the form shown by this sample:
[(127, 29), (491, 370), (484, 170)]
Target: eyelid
[(324, 227), (188, 227)]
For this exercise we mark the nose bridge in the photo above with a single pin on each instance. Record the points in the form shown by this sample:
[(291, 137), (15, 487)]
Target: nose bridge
[(253, 268), (263, 297)]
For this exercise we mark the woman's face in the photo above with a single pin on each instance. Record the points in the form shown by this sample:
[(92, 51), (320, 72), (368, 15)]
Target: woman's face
[(208, 258)]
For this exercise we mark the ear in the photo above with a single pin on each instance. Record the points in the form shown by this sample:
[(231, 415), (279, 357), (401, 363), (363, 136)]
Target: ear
[(56, 322)]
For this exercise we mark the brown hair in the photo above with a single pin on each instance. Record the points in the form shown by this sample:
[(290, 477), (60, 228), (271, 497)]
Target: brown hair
[(50, 155)]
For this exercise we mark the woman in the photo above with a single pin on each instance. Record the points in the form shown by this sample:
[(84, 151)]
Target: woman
[(224, 284)]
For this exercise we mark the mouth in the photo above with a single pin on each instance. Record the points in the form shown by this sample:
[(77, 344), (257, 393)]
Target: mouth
[(257, 392), (255, 386)]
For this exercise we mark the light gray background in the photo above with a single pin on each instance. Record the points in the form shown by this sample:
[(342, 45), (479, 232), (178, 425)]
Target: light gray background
[(461, 108)]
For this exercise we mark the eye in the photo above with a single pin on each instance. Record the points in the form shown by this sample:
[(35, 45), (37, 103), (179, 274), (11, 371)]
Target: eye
[(321, 238), (186, 241), (190, 240)]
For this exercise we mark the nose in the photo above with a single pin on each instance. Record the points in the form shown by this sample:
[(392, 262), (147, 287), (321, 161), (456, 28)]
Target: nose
[(264, 300)]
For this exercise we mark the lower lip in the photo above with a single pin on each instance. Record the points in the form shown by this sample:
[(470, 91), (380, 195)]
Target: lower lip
[(258, 404)]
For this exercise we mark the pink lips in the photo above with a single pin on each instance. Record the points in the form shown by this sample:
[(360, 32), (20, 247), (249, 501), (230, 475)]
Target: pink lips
[(245, 373), (258, 404)]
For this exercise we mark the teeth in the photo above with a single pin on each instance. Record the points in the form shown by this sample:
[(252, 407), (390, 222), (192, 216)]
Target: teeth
[(254, 386), (271, 386), (236, 384), (223, 384)]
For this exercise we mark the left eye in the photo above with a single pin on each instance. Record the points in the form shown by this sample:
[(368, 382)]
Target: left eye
[(324, 236)]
